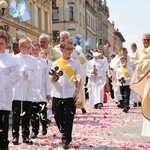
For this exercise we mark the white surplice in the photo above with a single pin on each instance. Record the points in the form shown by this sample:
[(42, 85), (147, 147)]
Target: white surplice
[(42, 84), (23, 89), (9, 74), (96, 83)]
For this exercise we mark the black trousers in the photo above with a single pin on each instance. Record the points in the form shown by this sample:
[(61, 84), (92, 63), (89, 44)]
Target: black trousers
[(64, 110), (38, 114), (111, 88), (21, 112), (125, 93), (4, 128)]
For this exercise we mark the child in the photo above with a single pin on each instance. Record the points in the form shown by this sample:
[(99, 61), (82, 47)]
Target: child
[(9, 74), (42, 89), (23, 91), (123, 75), (96, 74), (65, 91)]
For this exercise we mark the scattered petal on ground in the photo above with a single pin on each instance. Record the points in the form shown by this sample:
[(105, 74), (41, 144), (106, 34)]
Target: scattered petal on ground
[(105, 129)]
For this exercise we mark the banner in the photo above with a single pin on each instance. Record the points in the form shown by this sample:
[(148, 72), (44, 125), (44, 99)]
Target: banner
[(24, 13), (14, 8)]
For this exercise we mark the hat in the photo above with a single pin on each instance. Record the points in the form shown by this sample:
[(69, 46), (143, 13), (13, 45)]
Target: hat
[(78, 48), (15, 40), (96, 54)]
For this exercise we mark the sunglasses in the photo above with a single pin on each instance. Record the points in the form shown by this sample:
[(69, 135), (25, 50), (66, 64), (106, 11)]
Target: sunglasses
[(146, 40)]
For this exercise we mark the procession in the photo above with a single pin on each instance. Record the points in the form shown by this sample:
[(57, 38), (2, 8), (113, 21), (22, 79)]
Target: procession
[(68, 95)]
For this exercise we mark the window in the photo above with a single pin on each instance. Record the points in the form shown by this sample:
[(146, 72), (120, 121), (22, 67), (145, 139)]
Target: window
[(56, 35), (53, 3), (100, 41), (39, 19), (80, 19), (70, 13), (55, 16), (46, 21)]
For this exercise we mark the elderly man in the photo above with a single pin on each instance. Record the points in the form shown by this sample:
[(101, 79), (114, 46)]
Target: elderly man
[(64, 36), (47, 51), (140, 82)]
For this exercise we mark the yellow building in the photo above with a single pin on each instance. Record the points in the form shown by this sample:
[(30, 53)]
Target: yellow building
[(41, 23)]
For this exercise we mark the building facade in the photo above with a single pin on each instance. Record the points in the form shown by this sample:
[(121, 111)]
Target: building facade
[(41, 23), (84, 19), (69, 15)]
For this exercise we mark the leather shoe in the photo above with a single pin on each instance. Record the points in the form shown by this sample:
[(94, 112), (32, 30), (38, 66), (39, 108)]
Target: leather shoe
[(125, 110), (139, 104), (135, 105), (83, 111), (27, 141), (15, 141), (33, 135), (66, 145), (100, 105)]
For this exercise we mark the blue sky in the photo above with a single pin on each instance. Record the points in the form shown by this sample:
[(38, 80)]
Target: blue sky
[(132, 18)]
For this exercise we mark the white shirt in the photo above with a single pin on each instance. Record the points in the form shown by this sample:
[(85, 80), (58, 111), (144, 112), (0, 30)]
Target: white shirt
[(42, 85), (65, 87), (120, 74), (23, 89), (9, 74)]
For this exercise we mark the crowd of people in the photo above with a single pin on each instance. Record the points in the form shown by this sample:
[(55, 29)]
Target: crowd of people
[(39, 82)]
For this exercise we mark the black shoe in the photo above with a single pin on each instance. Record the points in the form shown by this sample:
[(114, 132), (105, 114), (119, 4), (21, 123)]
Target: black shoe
[(27, 141), (66, 145), (96, 106), (83, 111), (15, 141), (100, 105), (120, 104), (134, 104), (139, 104), (125, 110), (33, 135), (44, 131)]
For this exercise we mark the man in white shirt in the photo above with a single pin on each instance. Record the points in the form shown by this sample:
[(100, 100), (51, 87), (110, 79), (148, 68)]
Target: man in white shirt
[(48, 51)]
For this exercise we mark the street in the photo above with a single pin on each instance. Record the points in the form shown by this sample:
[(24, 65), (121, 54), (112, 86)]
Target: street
[(105, 129)]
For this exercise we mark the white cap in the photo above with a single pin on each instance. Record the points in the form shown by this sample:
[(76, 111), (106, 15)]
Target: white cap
[(96, 54), (78, 48)]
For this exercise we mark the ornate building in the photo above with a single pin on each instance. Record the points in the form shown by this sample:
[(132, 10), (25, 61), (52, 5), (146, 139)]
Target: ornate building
[(68, 15), (82, 18), (41, 23)]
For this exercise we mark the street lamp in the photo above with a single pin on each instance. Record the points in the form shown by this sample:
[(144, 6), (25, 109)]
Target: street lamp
[(3, 6)]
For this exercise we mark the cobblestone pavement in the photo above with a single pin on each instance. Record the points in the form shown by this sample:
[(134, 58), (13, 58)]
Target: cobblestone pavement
[(105, 129)]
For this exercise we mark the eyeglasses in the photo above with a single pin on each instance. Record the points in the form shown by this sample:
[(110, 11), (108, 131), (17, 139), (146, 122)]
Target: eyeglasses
[(146, 40), (69, 49)]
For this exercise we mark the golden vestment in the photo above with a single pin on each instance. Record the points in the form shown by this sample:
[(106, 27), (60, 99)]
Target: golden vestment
[(140, 82)]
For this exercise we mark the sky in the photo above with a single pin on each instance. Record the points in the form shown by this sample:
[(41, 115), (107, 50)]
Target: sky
[(132, 18)]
